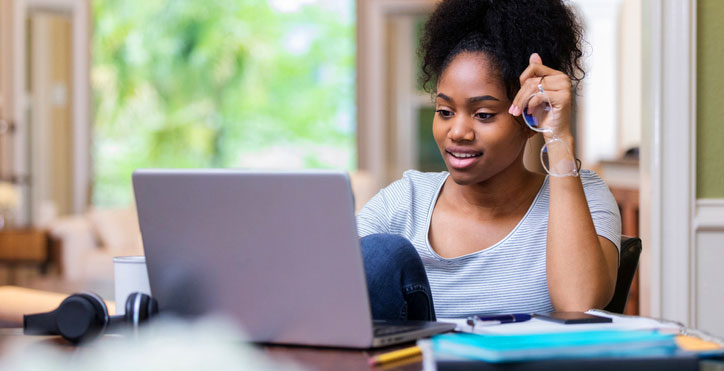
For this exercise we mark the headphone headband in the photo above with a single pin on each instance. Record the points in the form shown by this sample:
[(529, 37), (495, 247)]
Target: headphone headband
[(84, 315)]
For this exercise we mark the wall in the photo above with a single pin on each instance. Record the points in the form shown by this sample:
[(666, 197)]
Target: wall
[(710, 99), (597, 129), (708, 223), (51, 129), (629, 76), (6, 101)]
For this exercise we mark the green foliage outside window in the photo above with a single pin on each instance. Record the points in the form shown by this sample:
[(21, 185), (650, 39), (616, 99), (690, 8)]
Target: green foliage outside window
[(223, 83)]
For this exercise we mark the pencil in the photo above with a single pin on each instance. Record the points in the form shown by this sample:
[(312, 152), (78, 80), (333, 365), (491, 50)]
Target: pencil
[(395, 355)]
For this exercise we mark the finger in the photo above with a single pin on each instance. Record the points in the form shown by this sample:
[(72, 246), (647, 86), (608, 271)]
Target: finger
[(540, 110), (534, 111), (553, 83), (557, 98), (527, 88), (534, 71), (537, 70), (535, 58), (535, 101), (537, 104)]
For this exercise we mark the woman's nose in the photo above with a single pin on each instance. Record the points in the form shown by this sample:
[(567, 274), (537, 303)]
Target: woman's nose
[(461, 130)]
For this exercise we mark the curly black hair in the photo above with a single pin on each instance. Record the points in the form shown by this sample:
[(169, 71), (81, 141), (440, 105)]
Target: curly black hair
[(508, 32)]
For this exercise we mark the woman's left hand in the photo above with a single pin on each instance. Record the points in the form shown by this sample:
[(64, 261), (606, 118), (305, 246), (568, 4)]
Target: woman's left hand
[(557, 87)]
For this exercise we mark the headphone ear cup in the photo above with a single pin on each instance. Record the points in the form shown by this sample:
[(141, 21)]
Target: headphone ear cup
[(81, 316), (151, 307), (139, 308), (129, 305)]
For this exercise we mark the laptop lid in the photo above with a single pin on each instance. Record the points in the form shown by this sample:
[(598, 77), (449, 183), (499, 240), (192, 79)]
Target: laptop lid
[(276, 251)]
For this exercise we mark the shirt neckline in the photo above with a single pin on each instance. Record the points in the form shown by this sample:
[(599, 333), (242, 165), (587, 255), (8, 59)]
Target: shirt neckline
[(431, 208)]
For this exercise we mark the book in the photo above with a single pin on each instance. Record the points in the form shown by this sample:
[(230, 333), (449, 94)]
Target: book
[(580, 344), (675, 363)]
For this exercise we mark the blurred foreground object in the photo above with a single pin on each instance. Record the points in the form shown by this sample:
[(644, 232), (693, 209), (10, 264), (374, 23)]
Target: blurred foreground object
[(168, 344)]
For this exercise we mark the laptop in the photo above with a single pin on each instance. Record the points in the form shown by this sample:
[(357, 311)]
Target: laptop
[(277, 252)]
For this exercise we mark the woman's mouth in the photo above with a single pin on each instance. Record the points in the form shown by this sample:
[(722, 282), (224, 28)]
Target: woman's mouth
[(461, 160)]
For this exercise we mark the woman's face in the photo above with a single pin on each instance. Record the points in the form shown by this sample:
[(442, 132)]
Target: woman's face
[(476, 135)]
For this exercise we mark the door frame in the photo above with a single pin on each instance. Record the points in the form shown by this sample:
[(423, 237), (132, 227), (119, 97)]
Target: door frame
[(79, 12), (373, 154), (668, 160)]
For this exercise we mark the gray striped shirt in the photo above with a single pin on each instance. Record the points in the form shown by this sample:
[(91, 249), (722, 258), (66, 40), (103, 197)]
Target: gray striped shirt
[(508, 277)]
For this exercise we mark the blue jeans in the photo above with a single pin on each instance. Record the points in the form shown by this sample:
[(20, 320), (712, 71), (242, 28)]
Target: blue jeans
[(396, 279)]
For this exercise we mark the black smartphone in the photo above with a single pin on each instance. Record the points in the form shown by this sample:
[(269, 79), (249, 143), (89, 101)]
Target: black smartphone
[(572, 318)]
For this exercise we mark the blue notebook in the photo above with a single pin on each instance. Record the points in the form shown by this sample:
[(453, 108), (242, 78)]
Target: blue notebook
[(510, 348)]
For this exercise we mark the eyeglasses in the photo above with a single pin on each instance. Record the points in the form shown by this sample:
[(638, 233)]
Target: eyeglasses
[(555, 156)]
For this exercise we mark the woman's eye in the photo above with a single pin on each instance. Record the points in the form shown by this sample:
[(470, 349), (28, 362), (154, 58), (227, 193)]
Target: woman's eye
[(444, 113), (484, 115)]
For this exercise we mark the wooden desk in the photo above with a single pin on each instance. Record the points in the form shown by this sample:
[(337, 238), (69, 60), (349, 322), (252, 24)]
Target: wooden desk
[(309, 358), (339, 359)]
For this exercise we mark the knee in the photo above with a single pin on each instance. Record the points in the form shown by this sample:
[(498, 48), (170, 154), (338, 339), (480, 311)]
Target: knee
[(390, 247)]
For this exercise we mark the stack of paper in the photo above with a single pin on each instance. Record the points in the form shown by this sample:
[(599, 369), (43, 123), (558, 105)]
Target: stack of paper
[(539, 326)]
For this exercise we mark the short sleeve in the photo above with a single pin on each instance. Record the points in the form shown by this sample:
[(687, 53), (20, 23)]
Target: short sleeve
[(376, 214), (604, 209), (373, 218)]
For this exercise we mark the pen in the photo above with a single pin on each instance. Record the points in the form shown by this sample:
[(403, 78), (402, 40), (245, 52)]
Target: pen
[(497, 319), (395, 355)]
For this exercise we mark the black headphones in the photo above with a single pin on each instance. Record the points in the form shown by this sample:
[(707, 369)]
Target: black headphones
[(84, 316)]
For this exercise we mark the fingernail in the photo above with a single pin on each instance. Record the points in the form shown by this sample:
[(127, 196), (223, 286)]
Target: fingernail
[(516, 110), (510, 109)]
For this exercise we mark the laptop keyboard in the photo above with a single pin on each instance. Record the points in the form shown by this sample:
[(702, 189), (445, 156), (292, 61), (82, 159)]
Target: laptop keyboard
[(385, 330)]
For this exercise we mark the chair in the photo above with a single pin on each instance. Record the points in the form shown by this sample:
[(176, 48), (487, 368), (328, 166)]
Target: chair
[(630, 251)]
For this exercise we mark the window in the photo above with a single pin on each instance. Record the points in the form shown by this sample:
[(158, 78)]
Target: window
[(227, 83)]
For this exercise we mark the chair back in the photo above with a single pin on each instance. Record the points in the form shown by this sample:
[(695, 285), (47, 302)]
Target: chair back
[(630, 252)]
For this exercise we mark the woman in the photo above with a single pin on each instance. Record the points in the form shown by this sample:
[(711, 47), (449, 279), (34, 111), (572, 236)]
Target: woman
[(488, 235)]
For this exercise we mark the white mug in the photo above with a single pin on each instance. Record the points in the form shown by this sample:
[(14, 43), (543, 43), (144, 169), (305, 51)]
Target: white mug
[(130, 276)]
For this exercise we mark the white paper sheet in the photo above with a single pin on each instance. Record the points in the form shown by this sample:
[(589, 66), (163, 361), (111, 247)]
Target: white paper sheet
[(538, 326)]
